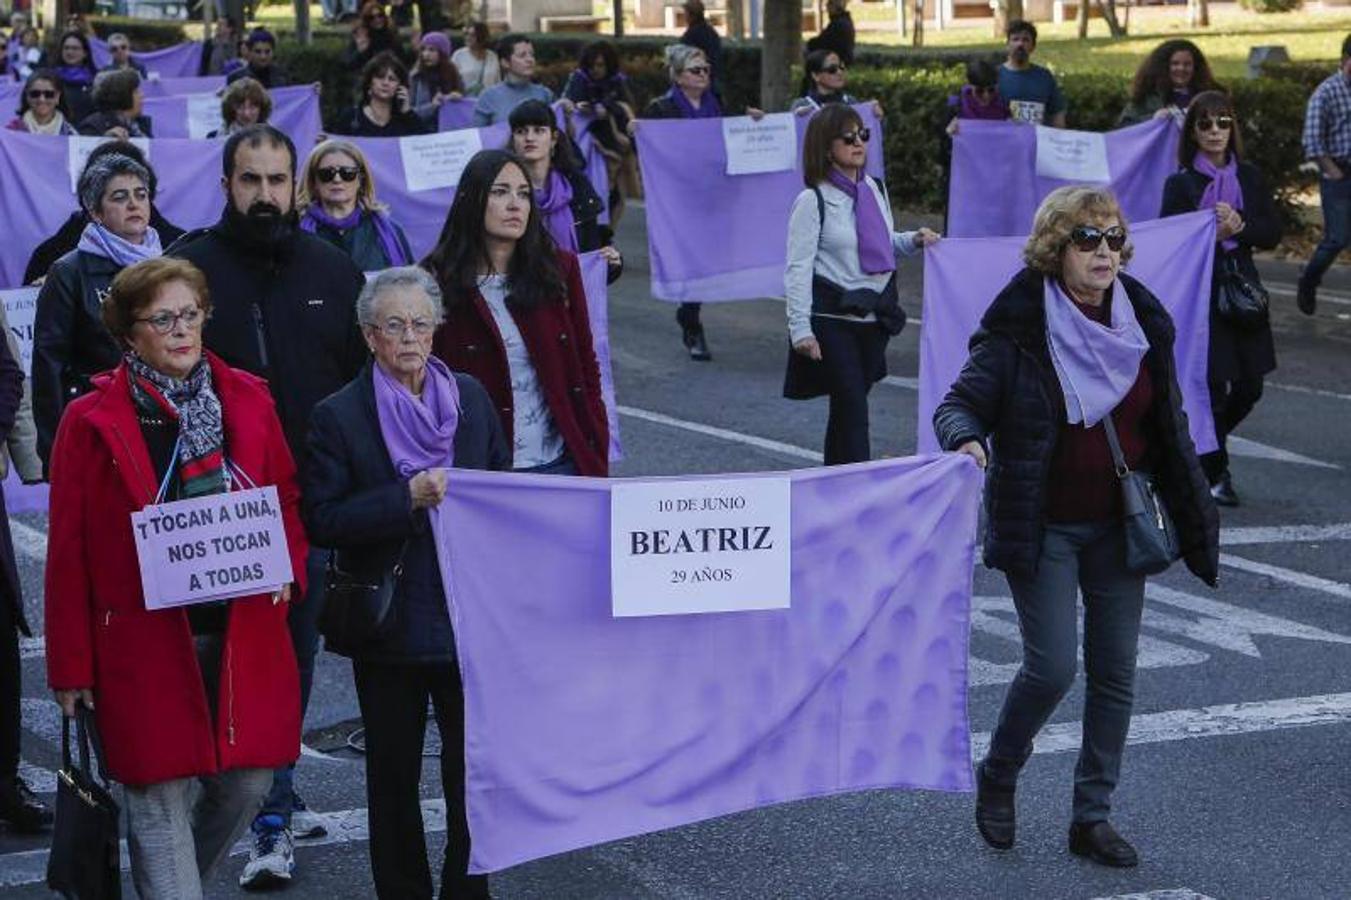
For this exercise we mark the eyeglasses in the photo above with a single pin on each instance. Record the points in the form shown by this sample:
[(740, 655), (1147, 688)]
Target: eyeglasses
[(166, 322), (41, 95), (1219, 123), (1088, 238), (697, 70), (857, 138), (397, 328), (833, 69), (328, 174)]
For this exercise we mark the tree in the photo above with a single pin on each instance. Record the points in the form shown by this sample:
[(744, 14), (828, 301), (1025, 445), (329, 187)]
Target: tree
[(303, 35), (1198, 13), (781, 51), (1109, 15), (1006, 11), (1081, 19)]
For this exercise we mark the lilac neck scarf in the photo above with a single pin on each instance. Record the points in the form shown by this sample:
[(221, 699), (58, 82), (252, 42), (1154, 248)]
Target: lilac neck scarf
[(100, 241), (875, 254), (708, 104), (555, 202), (1223, 188), (1095, 364), (75, 75), (384, 229)]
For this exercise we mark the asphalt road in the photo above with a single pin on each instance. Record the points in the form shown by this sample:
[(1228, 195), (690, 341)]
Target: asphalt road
[(1235, 785)]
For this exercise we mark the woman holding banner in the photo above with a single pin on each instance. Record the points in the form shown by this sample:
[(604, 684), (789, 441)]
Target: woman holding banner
[(570, 205), (380, 451), (434, 80), (196, 704), (75, 68), (385, 108), (1070, 394), (516, 320), (840, 279), (245, 102), (1166, 82), (1242, 351), (42, 109), (824, 82), (337, 195)]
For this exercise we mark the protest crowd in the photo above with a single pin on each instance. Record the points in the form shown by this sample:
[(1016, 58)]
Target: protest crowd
[(355, 323)]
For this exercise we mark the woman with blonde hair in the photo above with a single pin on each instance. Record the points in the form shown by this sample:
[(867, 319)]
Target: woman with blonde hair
[(337, 200)]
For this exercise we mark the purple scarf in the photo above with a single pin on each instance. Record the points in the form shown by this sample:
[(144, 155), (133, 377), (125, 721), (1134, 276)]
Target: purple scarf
[(968, 107), (875, 253), (1223, 188), (708, 104), (555, 202), (1095, 364), (76, 75), (384, 229), (100, 241)]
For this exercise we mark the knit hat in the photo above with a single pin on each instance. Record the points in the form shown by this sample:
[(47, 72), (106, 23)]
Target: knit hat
[(438, 40)]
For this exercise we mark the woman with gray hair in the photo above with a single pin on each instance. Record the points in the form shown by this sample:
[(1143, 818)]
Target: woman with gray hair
[(1069, 390), (70, 342), (379, 454), (691, 97), (117, 100)]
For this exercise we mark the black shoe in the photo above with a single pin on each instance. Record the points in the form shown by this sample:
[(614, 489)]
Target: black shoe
[(994, 810), (1223, 491), (1306, 296), (694, 341), (1100, 843), (25, 813)]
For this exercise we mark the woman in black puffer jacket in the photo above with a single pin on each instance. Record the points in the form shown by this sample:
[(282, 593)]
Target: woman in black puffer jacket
[(1067, 344)]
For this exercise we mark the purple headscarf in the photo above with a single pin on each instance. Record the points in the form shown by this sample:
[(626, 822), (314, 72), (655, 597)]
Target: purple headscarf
[(875, 253), (708, 104), (384, 229), (555, 203), (1223, 187)]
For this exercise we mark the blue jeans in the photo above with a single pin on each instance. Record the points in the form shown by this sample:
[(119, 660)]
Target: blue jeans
[(1336, 200), (303, 620)]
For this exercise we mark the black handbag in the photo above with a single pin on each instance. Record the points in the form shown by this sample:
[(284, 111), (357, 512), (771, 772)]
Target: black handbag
[(357, 610), (1151, 538), (85, 861), (1239, 300)]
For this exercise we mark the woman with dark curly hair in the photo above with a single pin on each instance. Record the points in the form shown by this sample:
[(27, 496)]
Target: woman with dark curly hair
[(1167, 81)]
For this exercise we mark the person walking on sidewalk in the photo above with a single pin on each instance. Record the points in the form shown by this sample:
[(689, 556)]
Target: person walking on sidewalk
[(1327, 141)]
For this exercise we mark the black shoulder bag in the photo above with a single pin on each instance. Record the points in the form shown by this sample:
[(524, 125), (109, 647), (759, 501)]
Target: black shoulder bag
[(1241, 301), (85, 862), (1151, 539), (357, 610)]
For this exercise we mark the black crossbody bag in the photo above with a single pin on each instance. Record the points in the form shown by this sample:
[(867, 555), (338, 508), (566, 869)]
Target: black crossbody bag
[(1151, 538), (357, 610), (85, 861)]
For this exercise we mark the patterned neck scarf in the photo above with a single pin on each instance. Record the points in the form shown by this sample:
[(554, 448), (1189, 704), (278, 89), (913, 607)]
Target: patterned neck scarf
[(193, 404)]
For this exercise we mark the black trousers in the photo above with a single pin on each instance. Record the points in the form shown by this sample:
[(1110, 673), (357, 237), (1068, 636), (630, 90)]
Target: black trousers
[(852, 355), (393, 699), (10, 688), (688, 316), (1230, 403)]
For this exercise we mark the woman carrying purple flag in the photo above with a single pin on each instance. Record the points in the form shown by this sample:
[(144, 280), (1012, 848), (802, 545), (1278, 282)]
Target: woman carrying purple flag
[(380, 452), (691, 97), (840, 280), (824, 81), (979, 97), (1166, 82), (337, 195), (1071, 387), (1242, 351), (42, 109)]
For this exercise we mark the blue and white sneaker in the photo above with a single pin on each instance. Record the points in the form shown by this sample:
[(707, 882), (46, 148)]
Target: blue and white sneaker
[(272, 859)]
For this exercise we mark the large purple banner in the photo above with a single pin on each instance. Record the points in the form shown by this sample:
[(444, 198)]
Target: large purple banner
[(179, 61), (713, 236), (594, 275), (582, 728), (1173, 258), (996, 187)]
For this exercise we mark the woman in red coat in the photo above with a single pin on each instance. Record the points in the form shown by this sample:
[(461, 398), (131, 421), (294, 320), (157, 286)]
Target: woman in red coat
[(205, 693), (516, 320)]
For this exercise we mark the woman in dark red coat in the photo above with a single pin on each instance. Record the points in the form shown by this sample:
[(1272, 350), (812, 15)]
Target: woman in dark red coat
[(516, 320), (208, 692)]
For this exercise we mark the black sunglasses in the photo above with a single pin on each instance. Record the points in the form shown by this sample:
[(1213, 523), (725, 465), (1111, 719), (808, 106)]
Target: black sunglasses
[(862, 136), (1088, 237), (330, 173), (1222, 123), (41, 95), (833, 68), (984, 91)]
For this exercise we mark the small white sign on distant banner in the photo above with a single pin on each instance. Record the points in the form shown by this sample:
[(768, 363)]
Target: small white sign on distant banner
[(203, 115), (432, 161), (700, 546), (769, 145), (1072, 155), (79, 148), (21, 306)]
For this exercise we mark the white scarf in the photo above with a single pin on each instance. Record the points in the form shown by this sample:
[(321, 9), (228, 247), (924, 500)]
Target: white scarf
[(35, 127)]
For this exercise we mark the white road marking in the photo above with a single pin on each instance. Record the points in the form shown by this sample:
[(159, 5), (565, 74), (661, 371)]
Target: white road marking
[(1285, 534), (1225, 625), (1287, 289), (1289, 576), (1170, 894), (1312, 392), (1241, 446), (723, 433), (32, 647), (902, 381)]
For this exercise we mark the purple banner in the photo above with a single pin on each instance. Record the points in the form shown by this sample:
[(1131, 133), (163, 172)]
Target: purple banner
[(169, 87), (456, 114), (295, 110), (713, 236), (179, 61), (1173, 258), (581, 728), (594, 278), (995, 189)]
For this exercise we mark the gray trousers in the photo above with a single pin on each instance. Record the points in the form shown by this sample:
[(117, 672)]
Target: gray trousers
[(1090, 558), (178, 830)]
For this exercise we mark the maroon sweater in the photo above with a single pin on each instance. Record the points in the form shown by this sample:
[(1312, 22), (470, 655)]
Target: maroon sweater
[(1082, 485)]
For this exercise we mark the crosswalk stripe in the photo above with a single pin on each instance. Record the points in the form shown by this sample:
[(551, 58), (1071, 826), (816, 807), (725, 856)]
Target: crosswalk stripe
[(1289, 576)]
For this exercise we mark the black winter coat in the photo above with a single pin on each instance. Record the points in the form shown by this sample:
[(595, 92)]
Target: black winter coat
[(1009, 399), (285, 313), (70, 342), (67, 238), (11, 394), (355, 502), (1234, 353)]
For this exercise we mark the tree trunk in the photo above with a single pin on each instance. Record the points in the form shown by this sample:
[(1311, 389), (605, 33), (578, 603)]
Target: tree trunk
[(303, 33), (1198, 13), (1081, 19), (235, 10), (1109, 14), (781, 48), (619, 17), (736, 19), (1005, 12), (918, 36)]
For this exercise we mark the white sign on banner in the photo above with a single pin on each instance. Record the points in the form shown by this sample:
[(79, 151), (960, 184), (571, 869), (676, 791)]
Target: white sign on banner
[(433, 161), (203, 114), (212, 548), (1072, 155), (21, 306), (769, 145), (699, 546), (79, 147)]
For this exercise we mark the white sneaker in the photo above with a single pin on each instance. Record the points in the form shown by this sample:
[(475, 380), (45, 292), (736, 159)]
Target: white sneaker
[(272, 856)]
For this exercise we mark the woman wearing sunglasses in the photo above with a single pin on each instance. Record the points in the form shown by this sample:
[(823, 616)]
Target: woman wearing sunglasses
[(840, 280), (41, 107), (1069, 344), (824, 83), (979, 97), (338, 199), (1214, 176)]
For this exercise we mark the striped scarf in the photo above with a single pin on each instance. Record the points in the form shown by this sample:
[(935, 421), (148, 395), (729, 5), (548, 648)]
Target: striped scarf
[(192, 403)]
